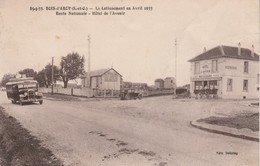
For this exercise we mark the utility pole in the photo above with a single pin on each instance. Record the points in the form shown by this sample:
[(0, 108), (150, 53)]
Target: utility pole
[(176, 61), (88, 73), (52, 60), (175, 75), (259, 27)]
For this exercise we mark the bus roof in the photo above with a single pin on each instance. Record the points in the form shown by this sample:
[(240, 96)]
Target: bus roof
[(20, 81)]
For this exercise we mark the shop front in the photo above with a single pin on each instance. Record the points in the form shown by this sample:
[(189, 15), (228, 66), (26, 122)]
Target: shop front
[(206, 87)]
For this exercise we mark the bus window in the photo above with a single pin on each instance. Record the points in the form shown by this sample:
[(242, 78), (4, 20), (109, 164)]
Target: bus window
[(14, 87)]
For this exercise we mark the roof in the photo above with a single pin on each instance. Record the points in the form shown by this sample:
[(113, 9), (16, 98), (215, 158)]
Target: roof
[(159, 80), (228, 52), (100, 72), (25, 81)]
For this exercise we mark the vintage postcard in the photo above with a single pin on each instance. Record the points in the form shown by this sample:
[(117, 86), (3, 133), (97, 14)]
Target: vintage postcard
[(129, 83)]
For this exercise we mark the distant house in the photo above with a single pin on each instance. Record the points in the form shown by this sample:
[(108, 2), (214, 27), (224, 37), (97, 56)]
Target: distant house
[(159, 83), (169, 83), (230, 72), (102, 79)]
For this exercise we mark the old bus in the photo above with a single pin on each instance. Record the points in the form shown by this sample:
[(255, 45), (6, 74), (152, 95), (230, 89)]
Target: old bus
[(23, 90)]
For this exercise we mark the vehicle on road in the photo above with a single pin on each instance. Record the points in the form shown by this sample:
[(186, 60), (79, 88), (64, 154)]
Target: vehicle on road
[(23, 90), (130, 94)]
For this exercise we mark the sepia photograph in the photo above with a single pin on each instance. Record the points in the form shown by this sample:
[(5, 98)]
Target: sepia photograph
[(129, 83)]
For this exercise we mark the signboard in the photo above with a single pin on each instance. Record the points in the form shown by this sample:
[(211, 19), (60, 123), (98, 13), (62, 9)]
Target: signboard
[(231, 67), (205, 69)]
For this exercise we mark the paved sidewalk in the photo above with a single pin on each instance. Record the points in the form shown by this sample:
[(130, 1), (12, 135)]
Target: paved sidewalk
[(233, 132)]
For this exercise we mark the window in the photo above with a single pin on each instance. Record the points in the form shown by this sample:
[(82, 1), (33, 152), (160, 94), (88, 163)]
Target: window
[(245, 85), (214, 65), (213, 85), (246, 67), (229, 85), (198, 85), (197, 68)]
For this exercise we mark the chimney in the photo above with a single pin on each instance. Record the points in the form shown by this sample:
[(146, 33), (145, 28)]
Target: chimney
[(204, 50), (239, 49), (252, 51)]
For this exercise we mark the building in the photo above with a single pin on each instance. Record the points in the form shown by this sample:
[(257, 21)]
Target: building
[(230, 72), (108, 79), (159, 83), (169, 83)]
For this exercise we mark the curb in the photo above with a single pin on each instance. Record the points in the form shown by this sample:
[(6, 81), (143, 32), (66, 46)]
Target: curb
[(245, 137)]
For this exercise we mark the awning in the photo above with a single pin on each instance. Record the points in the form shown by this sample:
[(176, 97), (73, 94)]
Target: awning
[(206, 79)]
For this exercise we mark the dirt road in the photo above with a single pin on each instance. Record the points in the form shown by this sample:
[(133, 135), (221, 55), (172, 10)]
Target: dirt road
[(152, 131)]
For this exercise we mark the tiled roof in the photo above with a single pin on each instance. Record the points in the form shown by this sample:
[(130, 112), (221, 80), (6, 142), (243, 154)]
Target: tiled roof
[(226, 51)]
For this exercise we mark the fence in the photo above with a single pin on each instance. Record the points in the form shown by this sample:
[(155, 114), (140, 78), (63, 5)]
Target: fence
[(86, 92), (160, 92)]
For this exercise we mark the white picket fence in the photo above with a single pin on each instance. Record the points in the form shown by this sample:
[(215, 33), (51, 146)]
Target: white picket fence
[(86, 92)]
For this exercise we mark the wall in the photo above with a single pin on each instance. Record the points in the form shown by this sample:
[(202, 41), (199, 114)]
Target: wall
[(234, 69), (169, 83), (111, 80)]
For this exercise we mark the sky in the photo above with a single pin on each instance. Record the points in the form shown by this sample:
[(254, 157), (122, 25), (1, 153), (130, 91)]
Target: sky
[(139, 45)]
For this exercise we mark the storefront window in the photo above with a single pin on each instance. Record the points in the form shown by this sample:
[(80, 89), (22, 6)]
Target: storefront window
[(198, 85), (229, 84), (213, 84)]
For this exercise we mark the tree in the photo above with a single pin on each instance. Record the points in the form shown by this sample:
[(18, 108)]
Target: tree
[(72, 66), (6, 78), (40, 78), (44, 77), (28, 72)]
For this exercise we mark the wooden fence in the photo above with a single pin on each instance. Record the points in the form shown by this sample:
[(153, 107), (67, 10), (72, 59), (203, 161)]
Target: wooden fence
[(86, 92)]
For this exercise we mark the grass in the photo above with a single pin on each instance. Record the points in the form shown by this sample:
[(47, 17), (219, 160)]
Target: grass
[(249, 121), (18, 147)]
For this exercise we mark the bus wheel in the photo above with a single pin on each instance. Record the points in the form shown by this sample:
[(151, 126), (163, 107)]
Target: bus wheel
[(40, 102)]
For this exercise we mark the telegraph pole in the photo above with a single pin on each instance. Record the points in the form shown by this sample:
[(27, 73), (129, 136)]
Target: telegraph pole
[(52, 60), (259, 27), (175, 75), (88, 74), (176, 61)]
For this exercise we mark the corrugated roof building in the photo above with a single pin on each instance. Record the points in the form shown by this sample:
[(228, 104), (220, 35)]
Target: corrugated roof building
[(108, 79)]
